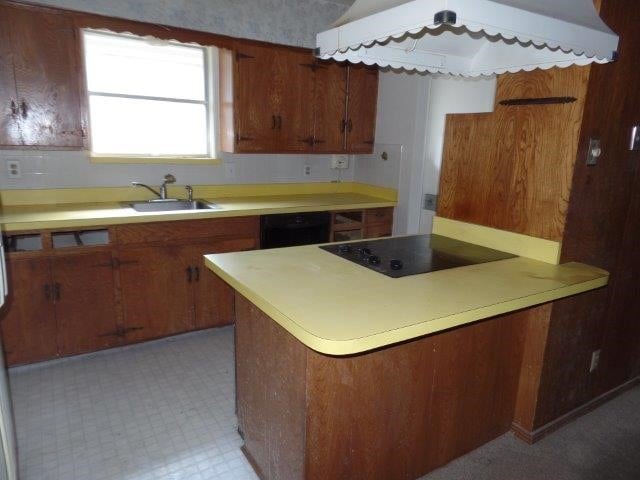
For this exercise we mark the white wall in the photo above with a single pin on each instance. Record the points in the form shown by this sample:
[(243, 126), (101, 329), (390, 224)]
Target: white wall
[(59, 169), (402, 110), (448, 95)]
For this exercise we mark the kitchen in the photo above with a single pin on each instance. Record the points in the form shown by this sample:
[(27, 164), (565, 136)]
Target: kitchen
[(88, 271)]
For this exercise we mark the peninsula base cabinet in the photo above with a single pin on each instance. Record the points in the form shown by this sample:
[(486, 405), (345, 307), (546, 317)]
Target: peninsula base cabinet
[(148, 282), (397, 412)]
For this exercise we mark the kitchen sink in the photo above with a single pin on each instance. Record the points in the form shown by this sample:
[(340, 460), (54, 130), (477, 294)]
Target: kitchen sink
[(172, 205)]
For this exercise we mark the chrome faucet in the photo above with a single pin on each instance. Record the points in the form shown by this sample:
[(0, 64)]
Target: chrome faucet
[(189, 190), (162, 194)]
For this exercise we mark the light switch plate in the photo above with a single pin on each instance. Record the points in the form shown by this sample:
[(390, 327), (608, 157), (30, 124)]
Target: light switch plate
[(339, 162), (634, 145), (594, 152)]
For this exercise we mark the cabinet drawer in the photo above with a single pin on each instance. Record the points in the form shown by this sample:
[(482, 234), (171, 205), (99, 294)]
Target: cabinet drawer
[(188, 230), (379, 215)]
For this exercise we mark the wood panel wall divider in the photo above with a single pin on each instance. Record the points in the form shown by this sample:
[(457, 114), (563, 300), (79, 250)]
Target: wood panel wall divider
[(523, 169)]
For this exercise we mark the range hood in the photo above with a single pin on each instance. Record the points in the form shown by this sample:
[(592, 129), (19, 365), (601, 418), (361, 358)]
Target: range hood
[(470, 37)]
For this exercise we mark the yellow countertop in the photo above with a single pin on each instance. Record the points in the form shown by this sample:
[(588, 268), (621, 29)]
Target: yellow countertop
[(339, 308), (68, 215)]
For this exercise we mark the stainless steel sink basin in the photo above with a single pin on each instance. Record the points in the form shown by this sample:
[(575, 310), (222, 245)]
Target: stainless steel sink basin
[(172, 205)]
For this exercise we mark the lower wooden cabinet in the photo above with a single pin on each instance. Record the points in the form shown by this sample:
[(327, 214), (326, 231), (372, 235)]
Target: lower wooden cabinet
[(156, 296), (59, 306), (144, 281), (149, 281), (28, 323), (84, 300), (213, 299), (168, 290)]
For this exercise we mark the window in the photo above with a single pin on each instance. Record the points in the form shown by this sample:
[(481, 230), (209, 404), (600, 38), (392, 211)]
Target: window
[(149, 97)]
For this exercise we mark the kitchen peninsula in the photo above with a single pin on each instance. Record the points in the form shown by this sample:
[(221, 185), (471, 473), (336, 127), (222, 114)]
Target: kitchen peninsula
[(346, 373)]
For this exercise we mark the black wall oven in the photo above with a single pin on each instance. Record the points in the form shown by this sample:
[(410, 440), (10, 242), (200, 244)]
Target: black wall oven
[(294, 229)]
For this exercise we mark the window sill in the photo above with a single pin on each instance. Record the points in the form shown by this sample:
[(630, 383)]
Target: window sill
[(155, 160)]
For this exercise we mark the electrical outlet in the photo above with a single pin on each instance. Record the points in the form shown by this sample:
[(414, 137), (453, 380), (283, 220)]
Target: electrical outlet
[(595, 360), (339, 162), (307, 170), (13, 169)]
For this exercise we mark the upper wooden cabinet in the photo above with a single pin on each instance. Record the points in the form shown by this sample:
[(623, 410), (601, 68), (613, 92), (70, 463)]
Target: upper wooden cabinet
[(40, 86), (268, 91), (280, 100), (362, 94)]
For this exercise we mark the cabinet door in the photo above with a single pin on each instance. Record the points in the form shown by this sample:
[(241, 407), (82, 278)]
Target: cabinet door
[(28, 317), (47, 74), (212, 296), (294, 81), (156, 296), (256, 98), (330, 107), (9, 132), (84, 293), (361, 109)]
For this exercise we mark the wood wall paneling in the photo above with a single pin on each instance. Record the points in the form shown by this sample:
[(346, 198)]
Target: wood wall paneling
[(535, 331), (523, 169), (601, 229)]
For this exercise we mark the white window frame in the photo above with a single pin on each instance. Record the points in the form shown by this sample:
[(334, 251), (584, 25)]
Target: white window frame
[(211, 102)]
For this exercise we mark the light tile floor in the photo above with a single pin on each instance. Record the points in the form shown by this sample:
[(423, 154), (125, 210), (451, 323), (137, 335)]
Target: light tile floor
[(165, 410), (160, 410)]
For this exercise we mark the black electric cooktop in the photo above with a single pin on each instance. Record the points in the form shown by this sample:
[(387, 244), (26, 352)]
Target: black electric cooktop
[(404, 256)]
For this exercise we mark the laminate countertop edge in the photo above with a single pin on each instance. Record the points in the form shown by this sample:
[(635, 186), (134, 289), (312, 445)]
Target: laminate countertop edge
[(396, 335), (47, 217)]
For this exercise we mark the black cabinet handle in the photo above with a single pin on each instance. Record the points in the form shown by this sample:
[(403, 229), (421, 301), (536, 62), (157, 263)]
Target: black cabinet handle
[(23, 107), (197, 269), (274, 122), (14, 108), (279, 122), (350, 126), (343, 126), (189, 275)]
